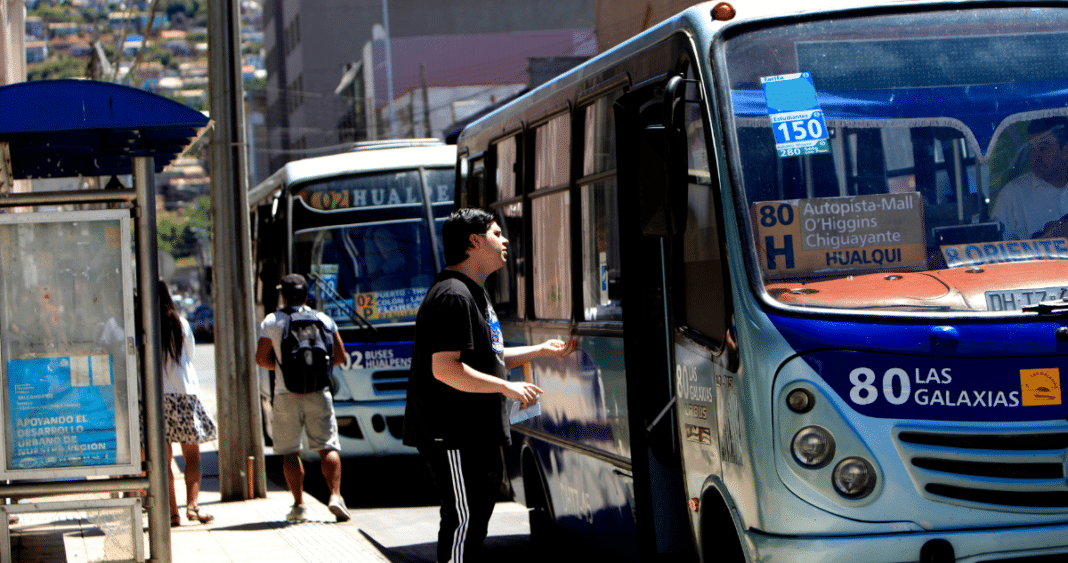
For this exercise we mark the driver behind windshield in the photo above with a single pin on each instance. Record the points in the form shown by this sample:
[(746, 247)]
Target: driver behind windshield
[(1035, 204)]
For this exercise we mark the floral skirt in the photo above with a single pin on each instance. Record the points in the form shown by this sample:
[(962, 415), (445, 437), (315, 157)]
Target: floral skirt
[(186, 421)]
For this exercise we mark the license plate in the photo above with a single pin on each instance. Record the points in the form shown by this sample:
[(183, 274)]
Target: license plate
[(1016, 299)]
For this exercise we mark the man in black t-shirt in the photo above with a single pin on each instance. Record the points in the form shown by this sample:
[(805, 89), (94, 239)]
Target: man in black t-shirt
[(455, 413)]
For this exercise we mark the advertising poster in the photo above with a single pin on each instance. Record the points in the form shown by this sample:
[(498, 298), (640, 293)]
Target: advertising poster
[(62, 412)]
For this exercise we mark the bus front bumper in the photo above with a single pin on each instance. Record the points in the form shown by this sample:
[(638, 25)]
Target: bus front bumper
[(987, 545), (371, 429)]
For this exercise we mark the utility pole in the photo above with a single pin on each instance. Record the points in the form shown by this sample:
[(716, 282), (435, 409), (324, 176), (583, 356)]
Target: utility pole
[(389, 68), (240, 432), (426, 100)]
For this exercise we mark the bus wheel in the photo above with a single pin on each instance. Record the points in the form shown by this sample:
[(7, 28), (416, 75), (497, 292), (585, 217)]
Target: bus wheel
[(718, 541)]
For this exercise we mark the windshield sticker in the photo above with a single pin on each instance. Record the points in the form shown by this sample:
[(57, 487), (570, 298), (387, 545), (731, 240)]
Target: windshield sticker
[(796, 117), (323, 286), (828, 236), (1008, 251), (395, 304)]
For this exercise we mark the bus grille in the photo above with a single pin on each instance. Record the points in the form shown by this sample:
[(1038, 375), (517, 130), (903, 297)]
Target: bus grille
[(994, 469), (393, 382)]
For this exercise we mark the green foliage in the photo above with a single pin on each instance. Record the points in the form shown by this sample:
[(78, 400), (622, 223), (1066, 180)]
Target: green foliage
[(195, 10), (56, 14), (177, 233), (255, 84), (157, 53), (56, 67), (199, 215)]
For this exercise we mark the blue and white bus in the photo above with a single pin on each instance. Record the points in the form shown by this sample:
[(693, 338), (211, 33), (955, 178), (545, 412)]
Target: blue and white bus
[(804, 332), (363, 226)]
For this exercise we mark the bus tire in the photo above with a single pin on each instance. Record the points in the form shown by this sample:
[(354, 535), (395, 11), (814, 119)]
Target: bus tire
[(718, 540)]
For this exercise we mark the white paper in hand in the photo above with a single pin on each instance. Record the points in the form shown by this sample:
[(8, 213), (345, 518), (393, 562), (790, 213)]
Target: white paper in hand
[(519, 414)]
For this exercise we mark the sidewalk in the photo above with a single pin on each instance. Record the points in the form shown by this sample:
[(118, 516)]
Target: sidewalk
[(255, 531), (245, 531)]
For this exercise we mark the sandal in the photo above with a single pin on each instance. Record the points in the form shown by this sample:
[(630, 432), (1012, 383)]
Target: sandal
[(176, 520), (193, 514)]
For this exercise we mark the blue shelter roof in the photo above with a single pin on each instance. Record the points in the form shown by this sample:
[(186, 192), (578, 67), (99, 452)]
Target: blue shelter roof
[(65, 128)]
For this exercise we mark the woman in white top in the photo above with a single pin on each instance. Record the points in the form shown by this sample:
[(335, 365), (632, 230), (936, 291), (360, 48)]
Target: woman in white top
[(186, 421)]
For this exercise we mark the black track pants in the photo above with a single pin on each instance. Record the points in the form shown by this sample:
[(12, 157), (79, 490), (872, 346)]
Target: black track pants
[(468, 481)]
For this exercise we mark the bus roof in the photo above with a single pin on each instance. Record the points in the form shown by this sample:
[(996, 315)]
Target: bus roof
[(697, 17), (399, 154)]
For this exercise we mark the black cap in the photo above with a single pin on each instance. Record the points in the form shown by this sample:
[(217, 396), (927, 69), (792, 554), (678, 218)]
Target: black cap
[(294, 283)]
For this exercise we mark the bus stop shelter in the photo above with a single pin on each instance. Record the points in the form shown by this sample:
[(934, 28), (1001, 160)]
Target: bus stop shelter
[(80, 386)]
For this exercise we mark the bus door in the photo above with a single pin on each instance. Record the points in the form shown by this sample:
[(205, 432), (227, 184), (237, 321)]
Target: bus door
[(651, 147), (706, 357)]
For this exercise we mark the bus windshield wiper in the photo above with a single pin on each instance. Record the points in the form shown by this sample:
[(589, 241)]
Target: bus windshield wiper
[(1048, 307), (336, 299)]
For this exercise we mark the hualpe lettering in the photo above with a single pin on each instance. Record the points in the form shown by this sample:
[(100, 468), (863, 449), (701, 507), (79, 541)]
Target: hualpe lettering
[(880, 256)]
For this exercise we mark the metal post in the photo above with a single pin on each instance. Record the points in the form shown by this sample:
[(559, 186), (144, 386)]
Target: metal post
[(426, 101), (158, 503), (389, 68), (240, 431)]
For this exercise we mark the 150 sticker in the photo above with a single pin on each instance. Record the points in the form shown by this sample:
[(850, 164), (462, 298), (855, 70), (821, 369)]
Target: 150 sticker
[(896, 387)]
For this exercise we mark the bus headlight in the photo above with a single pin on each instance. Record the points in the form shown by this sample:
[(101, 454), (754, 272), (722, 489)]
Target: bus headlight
[(854, 477), (800, 401), (813, 447)]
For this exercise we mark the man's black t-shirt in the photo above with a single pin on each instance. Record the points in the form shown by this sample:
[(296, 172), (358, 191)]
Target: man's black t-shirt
[(455, 315)]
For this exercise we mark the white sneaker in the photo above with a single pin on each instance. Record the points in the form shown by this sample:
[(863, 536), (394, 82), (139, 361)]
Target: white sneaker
[(299, 513), (337, 506)]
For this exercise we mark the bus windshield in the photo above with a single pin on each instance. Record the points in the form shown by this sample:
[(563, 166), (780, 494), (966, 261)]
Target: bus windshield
[(366, 243), (906, 162)]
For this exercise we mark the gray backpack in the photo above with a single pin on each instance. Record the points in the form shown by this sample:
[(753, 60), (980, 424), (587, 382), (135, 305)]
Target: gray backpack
[(307, 352)]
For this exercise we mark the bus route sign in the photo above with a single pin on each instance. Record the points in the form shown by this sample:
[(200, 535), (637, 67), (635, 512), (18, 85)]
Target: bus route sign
[(832, 235), (796, 117)]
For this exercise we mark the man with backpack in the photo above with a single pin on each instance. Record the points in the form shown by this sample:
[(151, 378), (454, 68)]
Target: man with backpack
[(303, 346)]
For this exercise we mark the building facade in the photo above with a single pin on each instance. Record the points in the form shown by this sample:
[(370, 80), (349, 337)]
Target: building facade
[(327, 78)]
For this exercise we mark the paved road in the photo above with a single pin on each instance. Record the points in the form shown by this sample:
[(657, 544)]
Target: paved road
[(394, 502)]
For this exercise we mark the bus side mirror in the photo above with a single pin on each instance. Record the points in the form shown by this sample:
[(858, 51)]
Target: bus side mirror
[(662, 168)]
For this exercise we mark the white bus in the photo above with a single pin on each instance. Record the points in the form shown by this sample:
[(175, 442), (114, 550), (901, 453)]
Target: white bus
[(805, 333), (363, 227)]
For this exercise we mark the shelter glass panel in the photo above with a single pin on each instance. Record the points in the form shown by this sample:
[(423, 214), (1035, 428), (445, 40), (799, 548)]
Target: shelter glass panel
[(66, 307)]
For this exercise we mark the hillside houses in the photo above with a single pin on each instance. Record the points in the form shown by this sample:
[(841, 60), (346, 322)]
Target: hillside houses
[(170, 54)]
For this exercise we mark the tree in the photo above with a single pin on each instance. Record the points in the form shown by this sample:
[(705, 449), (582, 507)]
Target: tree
[(53, 68), (177, 232)]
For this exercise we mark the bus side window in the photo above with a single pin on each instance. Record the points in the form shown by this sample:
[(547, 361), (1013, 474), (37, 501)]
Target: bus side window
[(702, 303), (475, 193), (601, 289), (551, 209), (507, 285)]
